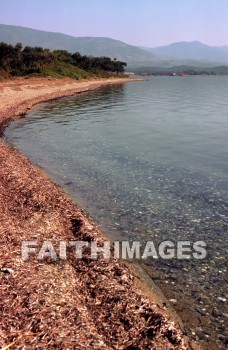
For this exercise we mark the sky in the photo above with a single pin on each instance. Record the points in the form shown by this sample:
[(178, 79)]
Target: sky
[(148, 23)]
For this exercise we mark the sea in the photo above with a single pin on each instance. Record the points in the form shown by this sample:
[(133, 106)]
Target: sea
[(148, 160)]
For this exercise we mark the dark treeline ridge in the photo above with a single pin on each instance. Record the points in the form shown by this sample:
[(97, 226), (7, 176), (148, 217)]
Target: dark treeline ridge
[(182, 70), (18, 61)]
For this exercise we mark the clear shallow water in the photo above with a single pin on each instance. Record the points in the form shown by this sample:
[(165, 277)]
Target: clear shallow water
[(148, 161)]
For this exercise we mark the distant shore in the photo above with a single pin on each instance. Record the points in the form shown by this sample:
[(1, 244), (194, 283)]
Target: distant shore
[(92, 304)]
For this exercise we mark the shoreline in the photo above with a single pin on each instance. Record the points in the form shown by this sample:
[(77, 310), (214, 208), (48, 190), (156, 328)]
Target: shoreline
[(34, 207), (20, 104)]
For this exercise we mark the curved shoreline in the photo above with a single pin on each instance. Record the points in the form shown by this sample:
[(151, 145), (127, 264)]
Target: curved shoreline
[(34, 207)]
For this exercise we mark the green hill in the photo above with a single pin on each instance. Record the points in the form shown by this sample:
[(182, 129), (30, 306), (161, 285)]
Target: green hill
[(16, 61), (178, 54), (85, 45)]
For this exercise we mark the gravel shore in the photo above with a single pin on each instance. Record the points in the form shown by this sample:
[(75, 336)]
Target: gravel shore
[(71, 304)]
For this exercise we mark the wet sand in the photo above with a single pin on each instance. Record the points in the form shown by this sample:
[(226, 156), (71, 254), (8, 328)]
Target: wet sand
[(71, 304)]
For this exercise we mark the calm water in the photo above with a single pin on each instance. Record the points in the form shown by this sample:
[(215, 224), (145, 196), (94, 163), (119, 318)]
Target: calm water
[(148, 161)]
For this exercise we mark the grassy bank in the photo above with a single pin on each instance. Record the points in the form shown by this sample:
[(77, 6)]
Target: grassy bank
[(16, 61)]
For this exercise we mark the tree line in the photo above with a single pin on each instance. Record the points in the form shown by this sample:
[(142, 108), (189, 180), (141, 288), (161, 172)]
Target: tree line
[(17, 60)]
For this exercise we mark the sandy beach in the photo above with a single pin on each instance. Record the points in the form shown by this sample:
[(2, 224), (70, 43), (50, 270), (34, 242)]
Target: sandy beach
[(71, 304)]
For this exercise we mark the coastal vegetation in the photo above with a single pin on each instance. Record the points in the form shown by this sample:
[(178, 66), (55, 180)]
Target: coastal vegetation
[(18, 61), (182, 70)]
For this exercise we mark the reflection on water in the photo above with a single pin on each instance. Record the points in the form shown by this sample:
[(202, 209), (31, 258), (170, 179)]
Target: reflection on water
[(148, 161)]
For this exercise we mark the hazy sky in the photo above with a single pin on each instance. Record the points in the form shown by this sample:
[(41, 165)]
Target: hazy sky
[(138, 22)]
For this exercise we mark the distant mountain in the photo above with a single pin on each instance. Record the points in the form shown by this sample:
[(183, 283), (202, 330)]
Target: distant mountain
[(85, 45), (225, 48), (193, 50), (178, 54)]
